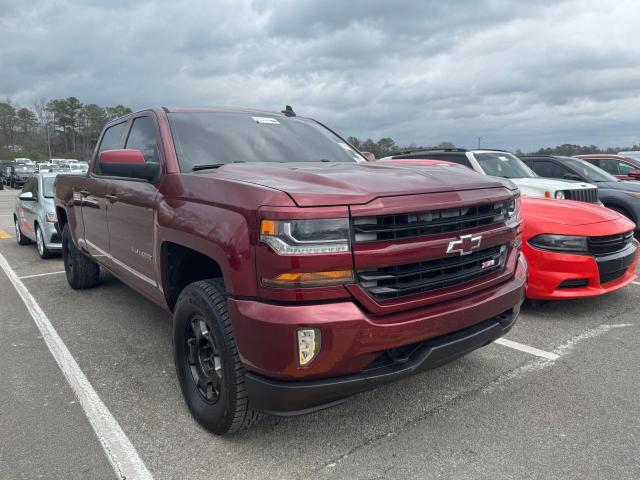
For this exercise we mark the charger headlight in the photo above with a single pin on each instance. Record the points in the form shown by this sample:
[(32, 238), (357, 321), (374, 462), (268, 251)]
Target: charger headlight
[(303, 237), (560, 243)]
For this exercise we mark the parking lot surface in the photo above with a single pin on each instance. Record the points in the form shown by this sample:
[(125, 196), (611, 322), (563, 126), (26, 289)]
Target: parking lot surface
[(560, 402)]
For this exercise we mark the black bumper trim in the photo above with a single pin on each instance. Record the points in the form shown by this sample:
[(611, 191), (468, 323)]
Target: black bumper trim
[(285, 398)]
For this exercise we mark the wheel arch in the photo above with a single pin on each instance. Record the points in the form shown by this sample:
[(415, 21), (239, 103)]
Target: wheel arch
[(182, 265)]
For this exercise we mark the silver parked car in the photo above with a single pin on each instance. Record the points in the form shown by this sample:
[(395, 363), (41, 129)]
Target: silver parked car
[(35, 215)]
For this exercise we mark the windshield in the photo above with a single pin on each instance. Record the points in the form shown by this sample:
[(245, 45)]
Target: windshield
[(47, 187), (22, 168), (503, 164), (589, 171), (212, 138)]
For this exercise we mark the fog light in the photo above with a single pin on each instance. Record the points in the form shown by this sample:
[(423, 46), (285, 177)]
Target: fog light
[(309, 340)]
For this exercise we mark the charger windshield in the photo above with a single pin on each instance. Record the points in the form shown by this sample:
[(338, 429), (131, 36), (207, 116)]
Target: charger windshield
[(212, 139), (502, 164)]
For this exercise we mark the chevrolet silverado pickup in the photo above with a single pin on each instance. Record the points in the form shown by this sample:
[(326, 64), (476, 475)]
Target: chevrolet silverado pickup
[(297, 273)]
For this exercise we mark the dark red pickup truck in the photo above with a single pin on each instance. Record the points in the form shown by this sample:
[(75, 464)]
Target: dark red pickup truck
[(297, 273)]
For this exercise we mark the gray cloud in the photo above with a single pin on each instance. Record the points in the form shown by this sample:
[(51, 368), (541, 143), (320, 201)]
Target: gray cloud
[(521, 74)]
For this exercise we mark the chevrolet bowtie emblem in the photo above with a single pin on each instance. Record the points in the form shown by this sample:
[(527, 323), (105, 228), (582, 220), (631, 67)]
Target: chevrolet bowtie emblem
[(465, 245)]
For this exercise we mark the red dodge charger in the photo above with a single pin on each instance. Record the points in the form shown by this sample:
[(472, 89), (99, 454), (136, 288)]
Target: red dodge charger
[(574, 249)]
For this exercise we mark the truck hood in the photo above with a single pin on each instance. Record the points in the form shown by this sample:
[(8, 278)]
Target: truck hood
[(565, 212), (337, 183), (551, 183), (627, 186)]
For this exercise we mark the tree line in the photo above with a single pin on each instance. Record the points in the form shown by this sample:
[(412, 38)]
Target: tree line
[(58, 128), (67, 128)]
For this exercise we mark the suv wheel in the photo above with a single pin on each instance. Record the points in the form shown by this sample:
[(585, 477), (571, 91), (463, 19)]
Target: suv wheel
[(207, 361), (43, 251), (22, 240), (82, 272)]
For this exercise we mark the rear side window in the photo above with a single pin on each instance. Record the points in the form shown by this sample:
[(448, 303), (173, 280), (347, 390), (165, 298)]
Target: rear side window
[(625, 168), (548, 169), (143, 137), (606, 165), (111, 140)]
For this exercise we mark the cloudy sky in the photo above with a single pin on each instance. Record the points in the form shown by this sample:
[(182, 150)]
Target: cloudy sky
[(521, 74)]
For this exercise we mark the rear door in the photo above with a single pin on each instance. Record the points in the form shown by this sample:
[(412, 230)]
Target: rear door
[(93, 192), (132, 212)]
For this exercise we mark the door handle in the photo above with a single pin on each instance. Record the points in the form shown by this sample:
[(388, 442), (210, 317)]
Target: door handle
[(111, 198)]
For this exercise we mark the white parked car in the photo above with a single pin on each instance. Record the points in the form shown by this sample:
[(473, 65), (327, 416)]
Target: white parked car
[(635, 154), (504, 164)]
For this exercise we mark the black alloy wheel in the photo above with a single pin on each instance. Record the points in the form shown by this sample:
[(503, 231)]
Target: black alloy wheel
[(203, 357)]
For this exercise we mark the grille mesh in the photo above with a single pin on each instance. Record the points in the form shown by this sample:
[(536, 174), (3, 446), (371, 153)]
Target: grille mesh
[(420, 224), (402, 280), (589, 195)]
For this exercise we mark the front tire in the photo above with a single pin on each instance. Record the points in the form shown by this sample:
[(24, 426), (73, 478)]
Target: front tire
[(43, 251), (207, 361), (20, 238), (82, 272)]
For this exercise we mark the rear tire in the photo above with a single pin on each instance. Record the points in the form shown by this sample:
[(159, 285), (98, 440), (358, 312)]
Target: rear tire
[(20, 238), (207, 360), (43, 251), (82, 272)]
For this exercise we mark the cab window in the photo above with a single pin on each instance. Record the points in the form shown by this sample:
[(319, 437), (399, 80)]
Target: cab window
[(143, 137)]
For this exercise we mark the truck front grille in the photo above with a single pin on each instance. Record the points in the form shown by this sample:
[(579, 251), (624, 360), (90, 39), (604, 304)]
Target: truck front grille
[(610, 243), (401, 280), (420, 224), (589, 195)]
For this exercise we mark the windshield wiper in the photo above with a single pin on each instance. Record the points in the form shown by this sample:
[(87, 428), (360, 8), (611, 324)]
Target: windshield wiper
[(205, 166), (208, 166)]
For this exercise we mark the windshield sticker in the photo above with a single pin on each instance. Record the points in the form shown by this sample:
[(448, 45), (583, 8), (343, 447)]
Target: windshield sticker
[(504, 159), (269, 120)]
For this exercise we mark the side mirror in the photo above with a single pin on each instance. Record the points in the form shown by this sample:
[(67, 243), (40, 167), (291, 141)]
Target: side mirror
[(128, 164), (572, 176), (634, 173), (370, 157), (26, 197)]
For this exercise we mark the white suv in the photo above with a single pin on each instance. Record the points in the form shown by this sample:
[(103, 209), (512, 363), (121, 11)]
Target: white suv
[(504, 164)]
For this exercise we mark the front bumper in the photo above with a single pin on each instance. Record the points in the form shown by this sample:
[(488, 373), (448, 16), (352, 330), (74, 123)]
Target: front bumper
[(53, 240), (354, 342), (277, 397), (554, 275)]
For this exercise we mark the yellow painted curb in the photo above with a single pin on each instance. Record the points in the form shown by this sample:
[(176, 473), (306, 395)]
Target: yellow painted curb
[(4, 234)]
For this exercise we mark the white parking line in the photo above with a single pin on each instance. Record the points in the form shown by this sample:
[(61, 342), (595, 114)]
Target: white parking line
[(40, 275), (526, 348), (636, 283), (121, 453)]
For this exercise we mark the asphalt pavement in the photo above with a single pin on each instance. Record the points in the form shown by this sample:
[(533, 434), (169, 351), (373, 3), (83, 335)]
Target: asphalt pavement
[(561, 402)]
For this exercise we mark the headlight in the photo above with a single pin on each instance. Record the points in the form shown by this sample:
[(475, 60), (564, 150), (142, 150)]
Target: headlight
[(560, 194), (309, 341), (513, 209), (51, 217), (560, 243), (302, 237)]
